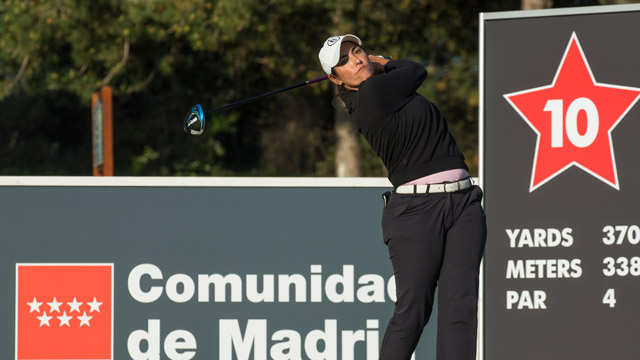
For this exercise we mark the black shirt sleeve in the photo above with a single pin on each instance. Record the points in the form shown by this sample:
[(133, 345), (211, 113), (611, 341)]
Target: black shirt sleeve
[(384, 94)]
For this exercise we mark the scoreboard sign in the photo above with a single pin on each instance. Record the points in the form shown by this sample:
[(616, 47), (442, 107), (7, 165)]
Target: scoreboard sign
[(560, 121)]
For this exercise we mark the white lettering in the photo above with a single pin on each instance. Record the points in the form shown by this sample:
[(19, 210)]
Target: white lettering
[(345, 281), (544, 268), (300, 284), (513, 236), (577, 269), (287, 344), (328, 336), (175, 340), (267, 294), (563, 269), (349, 340), (151, 337), (316, 283), (372, 339), (592, 118), (538, 238), (230, 339), (220, 282), (286, 350), (567, 237), (338, 287), (180, 340), (526, 239), (524, 300), (553, 238), (372, 289), (555, 106), (188, 288), (515, 269), (133, 283), (552, 269)]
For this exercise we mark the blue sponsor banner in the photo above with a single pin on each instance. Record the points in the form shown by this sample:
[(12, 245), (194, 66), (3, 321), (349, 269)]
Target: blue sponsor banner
[(221, 268)]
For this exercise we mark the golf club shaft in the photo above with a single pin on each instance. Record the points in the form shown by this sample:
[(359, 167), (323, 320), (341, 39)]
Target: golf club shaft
[(268, 94)]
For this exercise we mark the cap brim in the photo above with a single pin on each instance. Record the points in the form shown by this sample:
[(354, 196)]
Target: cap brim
[(352, 38), (330, 52)]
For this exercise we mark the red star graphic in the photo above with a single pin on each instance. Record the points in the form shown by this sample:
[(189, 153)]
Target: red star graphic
[(573, 118)]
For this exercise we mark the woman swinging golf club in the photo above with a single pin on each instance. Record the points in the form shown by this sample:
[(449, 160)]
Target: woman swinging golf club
[(433, 222)]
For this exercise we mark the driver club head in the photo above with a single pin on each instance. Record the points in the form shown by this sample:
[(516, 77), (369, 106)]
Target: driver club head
[(194, 121)]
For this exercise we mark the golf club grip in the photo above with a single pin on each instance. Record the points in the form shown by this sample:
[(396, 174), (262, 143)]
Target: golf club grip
[(273, 92)]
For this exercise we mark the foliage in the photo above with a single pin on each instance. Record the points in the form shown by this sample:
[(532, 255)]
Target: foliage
[(162, 56)]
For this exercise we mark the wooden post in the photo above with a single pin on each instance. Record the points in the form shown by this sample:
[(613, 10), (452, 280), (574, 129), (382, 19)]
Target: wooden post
[(107, 128), (102, 132), (96, 134)]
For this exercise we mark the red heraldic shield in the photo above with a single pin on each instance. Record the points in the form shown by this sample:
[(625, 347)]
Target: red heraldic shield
[(64, 311)]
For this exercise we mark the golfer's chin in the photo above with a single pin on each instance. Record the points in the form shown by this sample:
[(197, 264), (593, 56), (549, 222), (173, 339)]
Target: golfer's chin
[(365, 73), (362, 76)]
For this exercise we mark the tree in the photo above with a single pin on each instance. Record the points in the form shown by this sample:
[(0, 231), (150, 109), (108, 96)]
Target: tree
[(536, 4), (160, 57)]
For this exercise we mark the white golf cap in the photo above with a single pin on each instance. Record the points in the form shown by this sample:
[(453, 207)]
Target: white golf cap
[(330, 52)]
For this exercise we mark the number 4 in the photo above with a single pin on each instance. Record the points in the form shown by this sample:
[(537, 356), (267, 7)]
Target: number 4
[(610, 298)]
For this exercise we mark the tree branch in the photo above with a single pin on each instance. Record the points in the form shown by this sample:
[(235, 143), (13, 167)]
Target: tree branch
[(118, 66), (142, 85), (15, 80)]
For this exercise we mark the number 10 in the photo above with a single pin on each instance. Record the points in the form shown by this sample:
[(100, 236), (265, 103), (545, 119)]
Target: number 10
[(558, 124)]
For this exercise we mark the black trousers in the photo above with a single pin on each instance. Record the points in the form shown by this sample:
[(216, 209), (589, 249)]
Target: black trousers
[(434, 240)]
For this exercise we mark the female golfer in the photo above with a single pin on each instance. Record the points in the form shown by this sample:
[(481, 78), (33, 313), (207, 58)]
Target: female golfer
[(433, 222)]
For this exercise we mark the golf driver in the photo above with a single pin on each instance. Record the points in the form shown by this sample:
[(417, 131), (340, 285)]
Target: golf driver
[(194, 121)]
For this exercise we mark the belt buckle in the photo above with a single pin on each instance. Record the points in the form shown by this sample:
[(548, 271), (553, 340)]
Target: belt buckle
[(452, 187)]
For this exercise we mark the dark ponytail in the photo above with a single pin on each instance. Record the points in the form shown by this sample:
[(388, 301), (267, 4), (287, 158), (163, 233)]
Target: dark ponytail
[(339, 93)]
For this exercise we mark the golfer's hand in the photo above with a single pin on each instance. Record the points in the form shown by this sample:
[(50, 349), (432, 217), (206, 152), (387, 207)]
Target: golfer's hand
[(378, 64)]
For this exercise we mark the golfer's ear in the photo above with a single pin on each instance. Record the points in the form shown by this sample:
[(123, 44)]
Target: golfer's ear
[(335, 80)]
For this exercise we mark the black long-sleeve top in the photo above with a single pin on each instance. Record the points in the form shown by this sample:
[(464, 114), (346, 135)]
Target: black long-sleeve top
[(406, 130)]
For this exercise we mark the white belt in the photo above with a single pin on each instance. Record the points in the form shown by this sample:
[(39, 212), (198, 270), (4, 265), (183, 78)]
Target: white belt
[(448, 187)]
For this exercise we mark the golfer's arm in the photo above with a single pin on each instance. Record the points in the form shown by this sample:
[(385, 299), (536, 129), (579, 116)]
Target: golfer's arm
[(386, 93)]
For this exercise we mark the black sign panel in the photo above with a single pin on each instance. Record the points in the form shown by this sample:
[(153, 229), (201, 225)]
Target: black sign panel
[(561, 121)]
